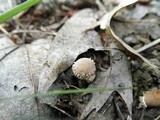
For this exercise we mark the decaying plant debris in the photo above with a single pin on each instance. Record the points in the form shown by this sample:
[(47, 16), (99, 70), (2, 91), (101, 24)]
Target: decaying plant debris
[(45, 64)]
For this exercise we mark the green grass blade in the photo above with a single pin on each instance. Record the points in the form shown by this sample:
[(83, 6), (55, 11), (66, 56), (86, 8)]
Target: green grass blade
[(88, 90), (9, 14), (62, 92)]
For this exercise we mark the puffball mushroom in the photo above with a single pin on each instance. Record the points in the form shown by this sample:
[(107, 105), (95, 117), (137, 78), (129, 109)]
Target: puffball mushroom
[(151, 98), (84, 69)]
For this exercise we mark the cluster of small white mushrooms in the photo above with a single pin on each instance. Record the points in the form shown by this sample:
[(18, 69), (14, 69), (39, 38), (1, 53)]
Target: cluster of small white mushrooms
[(84, 69)]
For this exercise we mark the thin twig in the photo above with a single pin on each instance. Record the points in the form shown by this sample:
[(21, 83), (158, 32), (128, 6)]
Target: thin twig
[(155, 42), (30, 68), (9, 53), (64, 112), (157, 118), (57, 25), (5, 31), (14, 38), (119, 112), (136, 21), (142, 113), (101, 6), (65, 83), (34, 31)]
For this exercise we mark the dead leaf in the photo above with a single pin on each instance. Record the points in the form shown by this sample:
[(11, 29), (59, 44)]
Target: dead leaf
[(70, 41), (106, 19), (118, 75), (105, 24), (140, 11), (19, 73)]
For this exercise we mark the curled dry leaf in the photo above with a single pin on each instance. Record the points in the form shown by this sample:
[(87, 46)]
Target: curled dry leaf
[(105, 24), (70, 41), (105, 21)]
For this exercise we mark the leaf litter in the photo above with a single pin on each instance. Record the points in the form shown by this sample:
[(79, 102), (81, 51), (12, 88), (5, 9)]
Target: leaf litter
[(47, 82), (74, 41)]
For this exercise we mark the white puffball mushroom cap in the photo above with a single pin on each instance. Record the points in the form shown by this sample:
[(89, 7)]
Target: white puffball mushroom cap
[(84, 69)]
